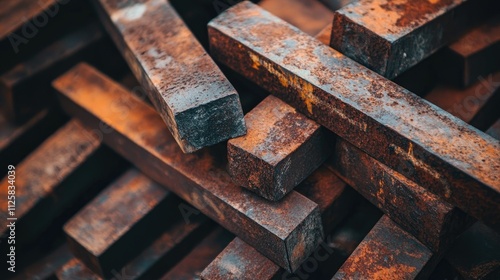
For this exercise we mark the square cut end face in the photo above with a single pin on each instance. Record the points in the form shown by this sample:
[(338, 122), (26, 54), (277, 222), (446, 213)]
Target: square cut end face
[(281, 148)]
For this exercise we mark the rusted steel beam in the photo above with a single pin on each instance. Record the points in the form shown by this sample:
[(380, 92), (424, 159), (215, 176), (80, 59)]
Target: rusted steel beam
[(120, 222), (382, 34), (475, 54), (191, 266), (46, 267), (477, 105), (24, 88), (240, 261), (476, 254), (281, 148), (199, 106), (309, 16), (388, 252), (285, 232), (151, 263), (418, 211), (386, 121), (75, 269), (18, 140), (51, 179)]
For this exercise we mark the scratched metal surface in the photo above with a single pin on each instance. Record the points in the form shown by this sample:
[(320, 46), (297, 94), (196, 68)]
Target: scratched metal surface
[(386, 121)]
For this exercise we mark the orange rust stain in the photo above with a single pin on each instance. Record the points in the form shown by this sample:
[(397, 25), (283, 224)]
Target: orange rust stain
[(392, 272)]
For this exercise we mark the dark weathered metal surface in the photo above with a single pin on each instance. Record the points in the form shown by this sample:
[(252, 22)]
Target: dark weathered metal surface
[(151, 263), (281, 148), (476, 254), (75, 269), (475, 54), (477, 104), (285, 232), (388, 252), (46, 267), (240, 261), (386, 121), (382, 34), (418, 211), (309, 16), (18, 140), (23, 89), (119, 222), (201, 108), (191, 266), (51, 178)]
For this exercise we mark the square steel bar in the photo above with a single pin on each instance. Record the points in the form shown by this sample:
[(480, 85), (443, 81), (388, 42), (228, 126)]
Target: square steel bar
[(198, 104)]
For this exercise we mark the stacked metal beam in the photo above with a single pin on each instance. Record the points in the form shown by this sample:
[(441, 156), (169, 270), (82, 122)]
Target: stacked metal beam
[(339, 173)]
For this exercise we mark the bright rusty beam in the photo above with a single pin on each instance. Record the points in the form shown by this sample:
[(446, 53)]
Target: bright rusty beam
[(51, 179), (198, 104), (281, 148), (285, 232), (386, 121), (119, 222), (390, 37), (388, 252)]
